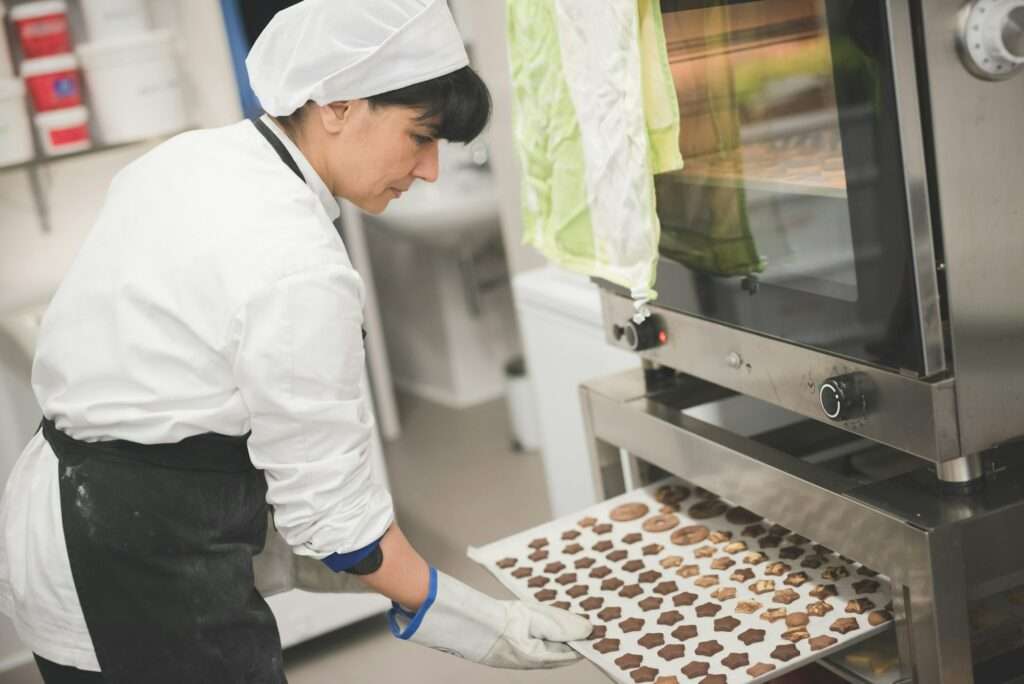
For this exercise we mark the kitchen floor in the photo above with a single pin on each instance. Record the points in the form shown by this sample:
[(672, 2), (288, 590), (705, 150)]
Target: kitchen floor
[(456, 482)]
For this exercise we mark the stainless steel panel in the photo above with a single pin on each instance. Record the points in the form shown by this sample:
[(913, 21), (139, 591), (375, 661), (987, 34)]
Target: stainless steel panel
[(978, 129), (922, 239), (912, 415)]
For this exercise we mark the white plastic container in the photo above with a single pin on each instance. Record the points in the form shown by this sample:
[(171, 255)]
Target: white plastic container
[(64, 131), (6, 68), (114, 19), (15, 129), (135, 87)]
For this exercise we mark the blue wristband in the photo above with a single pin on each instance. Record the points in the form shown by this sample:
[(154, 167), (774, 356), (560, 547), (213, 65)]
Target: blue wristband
[(415, 618), (340, 562)]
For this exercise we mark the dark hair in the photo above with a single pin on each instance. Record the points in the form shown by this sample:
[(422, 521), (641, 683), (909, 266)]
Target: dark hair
[(460, 103)]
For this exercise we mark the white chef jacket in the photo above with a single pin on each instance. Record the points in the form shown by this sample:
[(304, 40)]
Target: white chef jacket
[(212, 295)]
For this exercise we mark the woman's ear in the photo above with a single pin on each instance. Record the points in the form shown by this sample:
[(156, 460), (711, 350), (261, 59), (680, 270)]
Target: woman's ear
[(335, 116)]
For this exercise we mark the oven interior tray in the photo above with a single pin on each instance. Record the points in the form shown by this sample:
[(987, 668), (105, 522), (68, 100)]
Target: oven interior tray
[(685, 587)]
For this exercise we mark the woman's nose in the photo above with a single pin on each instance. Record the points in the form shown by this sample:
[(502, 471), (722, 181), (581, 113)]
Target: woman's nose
[(428, 167)]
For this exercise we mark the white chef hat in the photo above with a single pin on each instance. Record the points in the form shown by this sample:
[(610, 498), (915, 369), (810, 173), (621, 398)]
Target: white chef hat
[(334, 50)]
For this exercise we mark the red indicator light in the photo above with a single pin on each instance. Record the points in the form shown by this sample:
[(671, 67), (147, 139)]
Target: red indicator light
[(662, 336)]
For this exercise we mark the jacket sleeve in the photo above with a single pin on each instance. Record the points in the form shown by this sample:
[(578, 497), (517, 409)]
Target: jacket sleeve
[(299, 366)]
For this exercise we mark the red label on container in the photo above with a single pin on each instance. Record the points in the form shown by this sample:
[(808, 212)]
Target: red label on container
[(69, 136), (42, 36), (55, 91)]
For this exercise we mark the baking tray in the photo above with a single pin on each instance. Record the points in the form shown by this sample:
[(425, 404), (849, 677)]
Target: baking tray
[(670, 601)]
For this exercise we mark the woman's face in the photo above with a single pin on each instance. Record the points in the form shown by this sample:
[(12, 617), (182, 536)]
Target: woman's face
[(374, 154)]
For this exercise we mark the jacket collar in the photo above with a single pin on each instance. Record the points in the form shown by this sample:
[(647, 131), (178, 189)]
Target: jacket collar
[(313, 180)]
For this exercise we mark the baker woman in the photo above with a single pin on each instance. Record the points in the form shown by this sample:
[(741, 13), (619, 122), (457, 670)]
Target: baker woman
[(203, 359)]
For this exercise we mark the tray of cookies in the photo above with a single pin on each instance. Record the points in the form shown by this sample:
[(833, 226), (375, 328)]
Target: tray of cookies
[(683, 586)]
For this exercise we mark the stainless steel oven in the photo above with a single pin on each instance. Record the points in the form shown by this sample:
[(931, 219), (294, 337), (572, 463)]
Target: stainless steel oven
[(846, 237)]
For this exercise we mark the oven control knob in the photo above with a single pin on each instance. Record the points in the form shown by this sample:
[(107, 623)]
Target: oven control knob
[(640, 336), (992, 38), (843, 397)]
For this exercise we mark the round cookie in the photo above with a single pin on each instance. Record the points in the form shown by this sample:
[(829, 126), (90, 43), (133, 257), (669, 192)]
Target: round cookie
[(709, 508), (661, 522), (690, 535), (629, 511)]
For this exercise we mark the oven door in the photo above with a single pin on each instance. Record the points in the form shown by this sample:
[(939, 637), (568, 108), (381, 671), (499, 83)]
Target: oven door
[(802, 211)]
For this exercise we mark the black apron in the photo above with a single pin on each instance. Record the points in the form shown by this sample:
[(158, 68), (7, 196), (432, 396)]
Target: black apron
[(161, 540)]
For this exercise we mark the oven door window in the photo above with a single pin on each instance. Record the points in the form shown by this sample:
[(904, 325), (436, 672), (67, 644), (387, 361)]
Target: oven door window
[(789, 217)]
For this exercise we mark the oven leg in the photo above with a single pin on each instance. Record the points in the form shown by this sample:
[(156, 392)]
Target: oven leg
[(961, 470), (937, 610), (606, 460)]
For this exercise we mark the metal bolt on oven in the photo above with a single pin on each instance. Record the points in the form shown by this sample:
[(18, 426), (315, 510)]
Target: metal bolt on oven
[(845, 242)]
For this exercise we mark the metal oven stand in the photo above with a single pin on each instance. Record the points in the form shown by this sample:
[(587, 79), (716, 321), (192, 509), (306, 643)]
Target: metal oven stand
[(939, 550)]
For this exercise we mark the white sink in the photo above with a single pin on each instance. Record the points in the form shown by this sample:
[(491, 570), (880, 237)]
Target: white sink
[(461, 207)]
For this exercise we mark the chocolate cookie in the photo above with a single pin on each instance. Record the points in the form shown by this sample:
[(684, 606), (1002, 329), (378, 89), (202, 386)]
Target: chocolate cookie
[(632, 538), (597, 632), (790, 552), (606, 645), (696, 669), (652, 549), (651, 603), (751, 636), (569, 535), (610, 613), (741, 516), (631, 591), (769, 541), (629, 661), (755, 558), (643, 674), (561, 605), (797, 619), (742, 575), (785, 596), (845, 625), (708, 609), (879, 617), (748, 607), (684, 599), (538, 582), (522, 573), (538, 543), (602, 546), (797, 540), (670, 562), (617, 555), (715, 679), (823, 591), (633, 566), (762, 586), (705, 581), (601, 571), (538, 555), (554, 568), (759, 669), (796, 579), (661, 523), (684, 632), (735, 547), (690, 535), (666, 588), (506, 563), (583, 563), (566, 579), (865, 571), (591, 603), (587, 522), (671, 494), (785, 652), (724, 594), (649, 577), (835, 572), (672, 652), (812, 562), (708, 648), (602, 528), (866, 586), (652, 640), (822, 550), (631, 625), (753, 531), (577, 591), (669, 617), (666, 679), (688, 571), (723, 563), (734, 661), (545, 595), (859, 606), (820, 608), (779, 530), (726, 624), (709, 508), (796, 634), (572, 549), (705, 552), (774, 614), (611, 584), (719, 536), (629, 511), (823, 641)]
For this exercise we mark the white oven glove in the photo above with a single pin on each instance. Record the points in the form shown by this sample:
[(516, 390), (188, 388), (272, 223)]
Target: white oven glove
[(459, 620)]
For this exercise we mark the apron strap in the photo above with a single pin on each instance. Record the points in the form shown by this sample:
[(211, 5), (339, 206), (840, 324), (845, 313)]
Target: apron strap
[(279, 147)]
